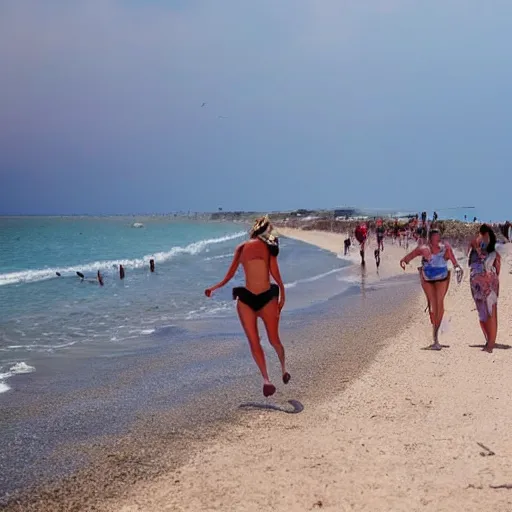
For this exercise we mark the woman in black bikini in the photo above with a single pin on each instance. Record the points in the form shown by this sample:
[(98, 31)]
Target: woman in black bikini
[(259, 298)]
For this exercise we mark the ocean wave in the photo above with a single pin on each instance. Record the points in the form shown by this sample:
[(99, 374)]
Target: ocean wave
[(16, 369), (210, 311), (28, 276), (222, 256), (313, 278)]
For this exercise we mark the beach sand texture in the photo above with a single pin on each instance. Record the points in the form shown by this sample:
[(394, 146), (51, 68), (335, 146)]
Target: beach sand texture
[(419, 430)]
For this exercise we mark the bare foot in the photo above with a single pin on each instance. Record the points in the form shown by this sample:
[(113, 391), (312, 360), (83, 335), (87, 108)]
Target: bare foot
[(434, 346), (487, 349), (268, 389), (286, 377)]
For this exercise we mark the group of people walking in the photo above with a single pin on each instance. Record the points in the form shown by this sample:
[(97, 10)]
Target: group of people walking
[(484, 265), (260, 298)]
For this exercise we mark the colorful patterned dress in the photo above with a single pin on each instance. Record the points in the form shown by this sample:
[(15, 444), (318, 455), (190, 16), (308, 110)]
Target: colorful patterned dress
[(484, 281)]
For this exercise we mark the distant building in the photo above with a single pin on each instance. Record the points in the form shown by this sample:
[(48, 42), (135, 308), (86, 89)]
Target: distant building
[(301, 213), (345, 212)]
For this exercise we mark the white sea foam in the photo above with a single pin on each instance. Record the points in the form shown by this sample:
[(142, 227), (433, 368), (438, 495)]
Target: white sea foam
[(209, 312), (27, 276), (21, 368), (313, 278), (16, 369), (38, 347), (222, 256)]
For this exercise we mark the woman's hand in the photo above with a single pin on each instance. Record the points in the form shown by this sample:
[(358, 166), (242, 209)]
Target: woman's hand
[(208, 292), (403, 264), (281, 302), (459, 273)]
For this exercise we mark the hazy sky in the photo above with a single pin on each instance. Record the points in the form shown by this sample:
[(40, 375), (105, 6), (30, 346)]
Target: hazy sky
[(373, 103)]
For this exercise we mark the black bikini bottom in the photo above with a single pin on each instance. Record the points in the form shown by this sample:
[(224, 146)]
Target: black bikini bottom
[(255, 301)]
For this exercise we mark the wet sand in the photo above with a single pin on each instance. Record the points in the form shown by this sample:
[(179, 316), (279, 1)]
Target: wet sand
[(328, 347), (414, 430)]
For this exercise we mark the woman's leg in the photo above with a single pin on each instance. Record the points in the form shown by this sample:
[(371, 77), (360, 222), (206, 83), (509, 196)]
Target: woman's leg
[(491, 326), (430, 292), (441, 291), (483, 326), (249, 321), (270, 316)]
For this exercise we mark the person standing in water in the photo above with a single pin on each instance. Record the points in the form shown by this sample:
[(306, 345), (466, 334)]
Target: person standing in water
[(361, 234), (485, 266), (434, 277), (346, 246), (259, 298)]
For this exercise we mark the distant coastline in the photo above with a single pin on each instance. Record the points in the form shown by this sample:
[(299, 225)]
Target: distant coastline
[(340, 220)]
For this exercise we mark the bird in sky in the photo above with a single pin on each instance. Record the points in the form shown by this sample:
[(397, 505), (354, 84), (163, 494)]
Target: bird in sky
[(203, 105)]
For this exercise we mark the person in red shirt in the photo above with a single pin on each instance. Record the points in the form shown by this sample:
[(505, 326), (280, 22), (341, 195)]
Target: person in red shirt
[(361, 234)]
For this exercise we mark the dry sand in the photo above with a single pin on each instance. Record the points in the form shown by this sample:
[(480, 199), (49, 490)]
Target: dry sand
[(419, 430)]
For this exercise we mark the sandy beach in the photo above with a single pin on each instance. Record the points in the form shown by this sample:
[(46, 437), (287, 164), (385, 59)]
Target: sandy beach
[(418, 430)]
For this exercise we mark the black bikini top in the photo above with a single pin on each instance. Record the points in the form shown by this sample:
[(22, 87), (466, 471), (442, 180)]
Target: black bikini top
[(274, 248)]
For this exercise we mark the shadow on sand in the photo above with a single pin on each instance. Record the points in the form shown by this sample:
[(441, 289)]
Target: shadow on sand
[(296, 406), (499, 346)]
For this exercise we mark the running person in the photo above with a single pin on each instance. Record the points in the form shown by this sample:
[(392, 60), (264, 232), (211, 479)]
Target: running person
[(434, 277), (259, 298), (361, 234)]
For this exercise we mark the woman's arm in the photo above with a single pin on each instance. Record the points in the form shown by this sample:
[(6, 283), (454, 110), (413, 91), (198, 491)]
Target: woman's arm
[(451, 256), (409, 257), (230, 273), (276, 274)]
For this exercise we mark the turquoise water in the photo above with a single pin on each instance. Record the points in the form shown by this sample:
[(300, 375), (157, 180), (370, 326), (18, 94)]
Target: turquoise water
[(46, 314), (80, 363)]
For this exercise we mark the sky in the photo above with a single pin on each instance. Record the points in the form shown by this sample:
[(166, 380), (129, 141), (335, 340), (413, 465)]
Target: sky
[(309, 103)]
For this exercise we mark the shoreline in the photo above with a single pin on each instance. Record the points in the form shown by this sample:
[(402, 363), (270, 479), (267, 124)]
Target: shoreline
[(410, 433), (161, 444)]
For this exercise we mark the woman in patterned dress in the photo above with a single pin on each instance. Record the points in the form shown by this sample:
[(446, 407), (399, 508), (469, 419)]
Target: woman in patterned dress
[(485, 265)]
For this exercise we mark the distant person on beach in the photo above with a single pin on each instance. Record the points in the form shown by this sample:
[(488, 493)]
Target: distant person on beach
[(361, 234), (396, 232), (376, 254), (346, 245), (434, 277), (100, 278), (485, 265), (380, 231), (259, 298)]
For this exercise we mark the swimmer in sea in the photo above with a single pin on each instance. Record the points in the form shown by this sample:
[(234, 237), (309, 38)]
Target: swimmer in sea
[(259, 298), (434, 277), (100, 278)]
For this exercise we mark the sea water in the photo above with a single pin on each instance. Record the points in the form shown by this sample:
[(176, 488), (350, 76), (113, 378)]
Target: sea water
[(42, 314)]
